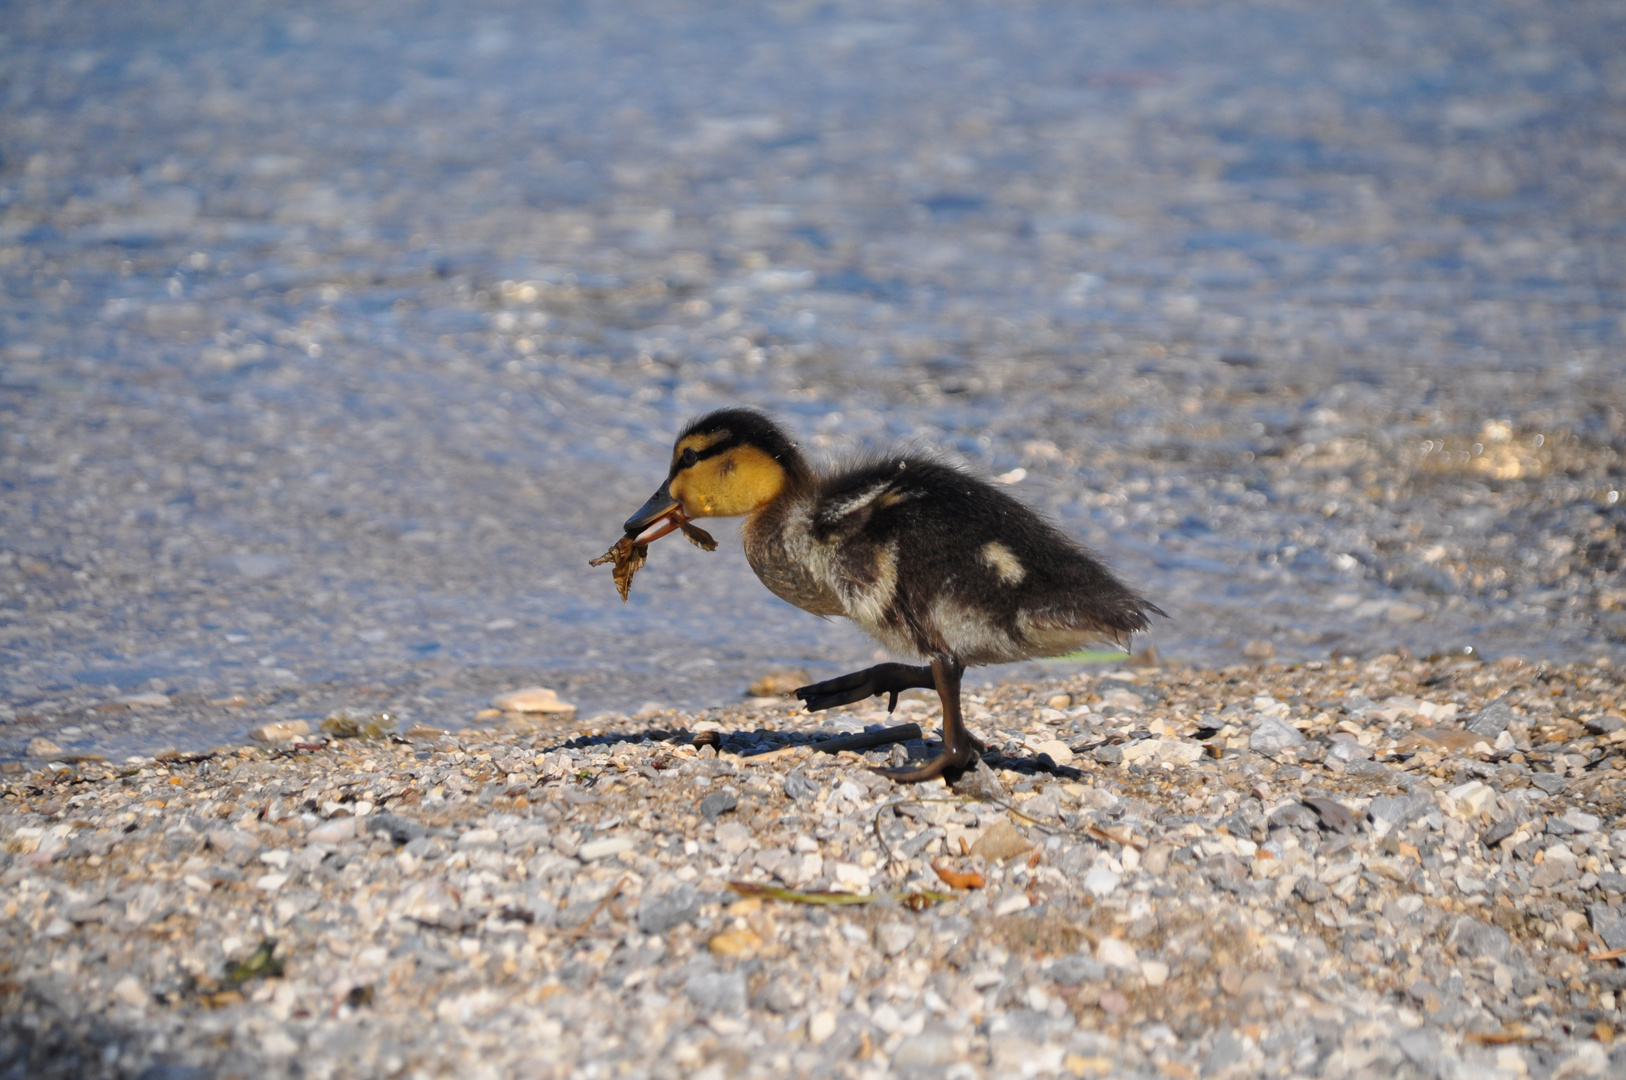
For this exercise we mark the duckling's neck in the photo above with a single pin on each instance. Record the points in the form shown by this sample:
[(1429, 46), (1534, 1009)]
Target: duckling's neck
[(779, 543)]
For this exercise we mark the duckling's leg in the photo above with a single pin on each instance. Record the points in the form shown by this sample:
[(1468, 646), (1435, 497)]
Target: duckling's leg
[(890, 679), (959, 747)]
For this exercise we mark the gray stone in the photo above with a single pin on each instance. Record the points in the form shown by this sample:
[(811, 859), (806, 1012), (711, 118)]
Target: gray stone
[(1605, 725), (658, 914), (1346, 747), (1296, 815), (235, 845), (978, 782), (1151, 695), (1492, 720), (1399, 810), (1271, 735), (1421, 1047), (717, 992), (1227, 1052), (800, 788), (932, 1048), (894, 937), (1609, 923), (1499, 831), (1475, 940), (1109, 754), (1073, 970), (1334, 815), (1615, 883), (1310, 890), (717, 804), (1551, 783), (1582, 822), (400, 830)]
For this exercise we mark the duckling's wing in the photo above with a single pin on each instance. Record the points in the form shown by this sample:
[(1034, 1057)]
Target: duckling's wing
[(965, 568)]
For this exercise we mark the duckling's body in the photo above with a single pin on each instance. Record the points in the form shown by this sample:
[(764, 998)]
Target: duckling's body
[(925, 558)]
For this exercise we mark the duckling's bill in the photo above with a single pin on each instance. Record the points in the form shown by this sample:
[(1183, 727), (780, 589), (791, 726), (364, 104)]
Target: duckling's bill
[(657, 517)]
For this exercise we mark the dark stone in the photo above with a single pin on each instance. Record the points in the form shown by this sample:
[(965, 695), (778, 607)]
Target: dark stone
[(1073, 970), (717, 804), (1609, 922), (1605, 725), (1335, 816), (1500, 831)]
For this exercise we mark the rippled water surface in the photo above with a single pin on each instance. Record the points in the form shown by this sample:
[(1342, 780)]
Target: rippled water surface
[(338, 338)]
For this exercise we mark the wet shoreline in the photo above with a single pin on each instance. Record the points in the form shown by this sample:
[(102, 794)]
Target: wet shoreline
[(333, 343)]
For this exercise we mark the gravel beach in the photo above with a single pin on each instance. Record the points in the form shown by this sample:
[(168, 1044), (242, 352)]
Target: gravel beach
[(1385, 867), (336, 339)]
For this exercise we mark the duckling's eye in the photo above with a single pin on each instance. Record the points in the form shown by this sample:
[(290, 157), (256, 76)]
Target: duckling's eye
[(689, 458)]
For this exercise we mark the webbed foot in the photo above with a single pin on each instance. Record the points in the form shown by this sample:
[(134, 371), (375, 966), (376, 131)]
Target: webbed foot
[(890, 679)]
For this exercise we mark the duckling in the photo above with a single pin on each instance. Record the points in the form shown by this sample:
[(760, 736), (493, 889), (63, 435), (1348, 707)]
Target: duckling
[(928, 560)]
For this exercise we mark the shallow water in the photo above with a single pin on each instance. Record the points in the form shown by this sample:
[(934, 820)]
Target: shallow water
[(337, 342)]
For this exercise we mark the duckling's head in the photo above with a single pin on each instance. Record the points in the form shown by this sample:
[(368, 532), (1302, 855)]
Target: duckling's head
[(725, 464)]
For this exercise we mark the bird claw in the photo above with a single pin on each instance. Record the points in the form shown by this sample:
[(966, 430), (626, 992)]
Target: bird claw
[(948, 766)]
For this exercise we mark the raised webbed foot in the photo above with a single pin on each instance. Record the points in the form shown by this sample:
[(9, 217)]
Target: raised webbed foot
[(890, 679)]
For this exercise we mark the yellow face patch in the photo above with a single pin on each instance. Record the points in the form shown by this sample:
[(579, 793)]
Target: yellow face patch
[(739, 481)]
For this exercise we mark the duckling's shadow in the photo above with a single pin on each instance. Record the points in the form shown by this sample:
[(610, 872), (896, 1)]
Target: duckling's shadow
[(745, 745)]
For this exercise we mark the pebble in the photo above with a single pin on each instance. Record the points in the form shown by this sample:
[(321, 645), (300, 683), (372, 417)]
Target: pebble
[(1271, 735), (533, 699), (1000, 842), (894, 937), (1118, 953), (779, 683), (718, 803), (1060, 753), (717, 992), (281, 731), (1476, 940), (130, 991), (44, 749), (604, 848), (659, 913), (932, 1048), (1101, 882), (1492, 720)]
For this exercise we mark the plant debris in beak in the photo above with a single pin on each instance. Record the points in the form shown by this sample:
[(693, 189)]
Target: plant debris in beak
[(628, 555)]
